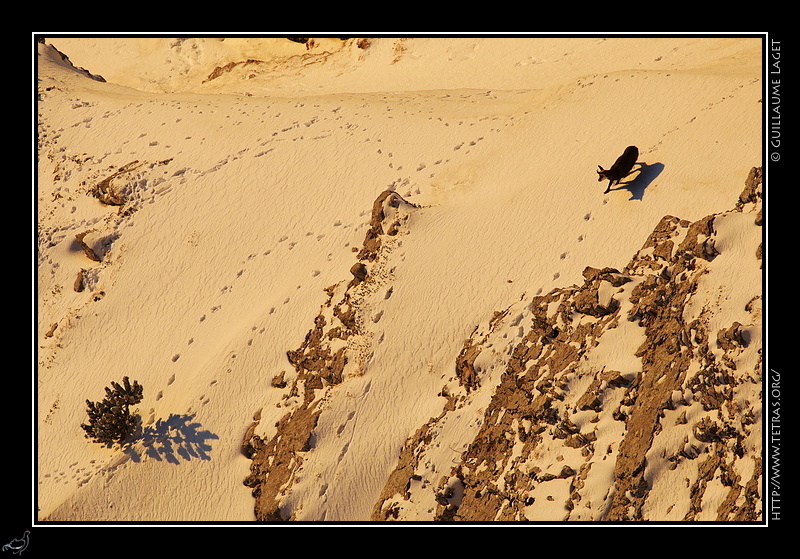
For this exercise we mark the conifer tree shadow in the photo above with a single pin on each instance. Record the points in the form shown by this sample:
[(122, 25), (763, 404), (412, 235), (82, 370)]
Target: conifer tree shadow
[(173, 440), (644, 175)]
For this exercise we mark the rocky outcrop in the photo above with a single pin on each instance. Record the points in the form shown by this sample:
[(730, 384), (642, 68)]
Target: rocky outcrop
[(68, 62), (334, 349), (224, 69), (634, 396), (626, 398), (88, 250), (109, 194)]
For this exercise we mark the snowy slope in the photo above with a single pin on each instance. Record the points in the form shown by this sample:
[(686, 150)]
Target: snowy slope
[(247, 195)]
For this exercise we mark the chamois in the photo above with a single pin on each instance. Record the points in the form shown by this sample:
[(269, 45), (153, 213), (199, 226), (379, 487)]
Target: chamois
[(620, 169)]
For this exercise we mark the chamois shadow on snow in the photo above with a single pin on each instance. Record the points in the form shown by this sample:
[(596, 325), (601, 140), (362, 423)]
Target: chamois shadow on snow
[(644, 175), (175, 439)]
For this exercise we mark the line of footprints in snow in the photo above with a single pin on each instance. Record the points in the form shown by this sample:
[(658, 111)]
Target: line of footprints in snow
[(290, 130), (282, 243), (289, 246), (82, 475)]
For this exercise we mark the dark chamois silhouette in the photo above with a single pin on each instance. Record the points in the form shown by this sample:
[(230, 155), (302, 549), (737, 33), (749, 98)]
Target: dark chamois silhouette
[(620, 169)]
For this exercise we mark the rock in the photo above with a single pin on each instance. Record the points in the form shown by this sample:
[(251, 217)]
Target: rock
[(553, 397), (543, 397), (731, 338), (611, 275), (566, 472), (79, 284), (278, 381), (698, 241), (465, 370), (95, 245), (107, 193), (87, 250), (359, 271), (586, 302), (321, 363), (385, 219), (752, 188), (250, 442)]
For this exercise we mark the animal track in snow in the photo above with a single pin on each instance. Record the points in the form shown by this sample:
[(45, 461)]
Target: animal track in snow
[(343, 452), (342, 427)]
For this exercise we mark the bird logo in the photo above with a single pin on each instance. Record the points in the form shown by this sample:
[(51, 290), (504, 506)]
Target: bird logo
[(18, 545)]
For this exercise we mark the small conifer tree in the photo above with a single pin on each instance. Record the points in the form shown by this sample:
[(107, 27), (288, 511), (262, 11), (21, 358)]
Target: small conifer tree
[(110, 420)]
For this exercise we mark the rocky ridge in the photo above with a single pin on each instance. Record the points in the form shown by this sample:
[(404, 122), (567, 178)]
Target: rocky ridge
[(630, 380), (631, 443), (335, 349)]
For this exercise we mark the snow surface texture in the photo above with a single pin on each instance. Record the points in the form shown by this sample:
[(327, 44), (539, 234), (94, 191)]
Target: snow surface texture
[(196, 198)]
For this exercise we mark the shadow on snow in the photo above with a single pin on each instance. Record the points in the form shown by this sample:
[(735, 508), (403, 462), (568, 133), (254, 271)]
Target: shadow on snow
[(172, 440), (646, 174)]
